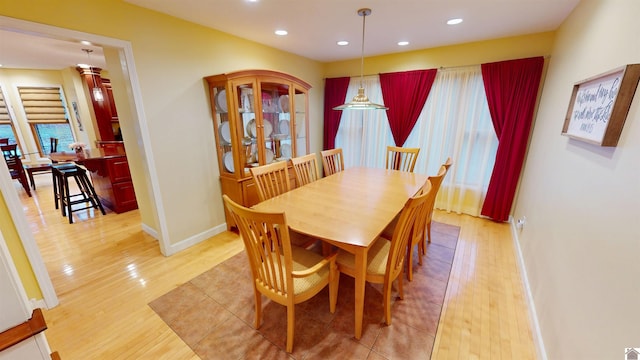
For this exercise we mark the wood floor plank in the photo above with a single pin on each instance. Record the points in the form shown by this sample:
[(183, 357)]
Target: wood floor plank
[(106, 270)]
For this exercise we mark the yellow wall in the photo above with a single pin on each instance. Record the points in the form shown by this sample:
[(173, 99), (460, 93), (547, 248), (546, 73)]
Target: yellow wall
[(18, 254), (581, 242), (448, 56)]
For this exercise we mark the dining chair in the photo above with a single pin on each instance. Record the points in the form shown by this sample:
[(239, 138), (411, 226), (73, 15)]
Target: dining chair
[(436, 181), (285, 274), (306, 169), (271, 179), (399, 158), (14, 163), (9, 151), (4, 141), (385, 258), (447, 164), (53, 144), (420, 227), (332, 161)]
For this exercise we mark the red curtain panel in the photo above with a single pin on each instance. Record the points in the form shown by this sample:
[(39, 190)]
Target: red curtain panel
[(405, 94), (335, 92), (511, 88)]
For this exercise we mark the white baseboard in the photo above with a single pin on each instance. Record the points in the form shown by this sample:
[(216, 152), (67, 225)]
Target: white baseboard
[(533, 316), (38, 304), (151, 231), (198, 238)]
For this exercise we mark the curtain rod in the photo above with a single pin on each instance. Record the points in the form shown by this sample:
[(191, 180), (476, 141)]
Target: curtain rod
[(546, 57)]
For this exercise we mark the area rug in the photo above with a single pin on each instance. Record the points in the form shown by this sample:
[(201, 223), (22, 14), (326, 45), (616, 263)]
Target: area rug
[(214, 313)]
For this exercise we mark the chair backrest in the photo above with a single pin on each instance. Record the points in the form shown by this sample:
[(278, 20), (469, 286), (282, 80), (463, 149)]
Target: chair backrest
[(53, 144), (403, 230), (9, 151), (332, 161), (271, 179), (4, 141), (266, 240), (447, 164), (399, 158), (436, 181), (306, 169)]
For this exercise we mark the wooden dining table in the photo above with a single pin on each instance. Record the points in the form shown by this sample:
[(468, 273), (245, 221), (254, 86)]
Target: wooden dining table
[(349, 210)]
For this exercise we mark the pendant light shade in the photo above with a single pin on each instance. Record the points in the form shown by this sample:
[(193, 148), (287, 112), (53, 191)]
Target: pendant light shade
[(97, 92), (361, 101)]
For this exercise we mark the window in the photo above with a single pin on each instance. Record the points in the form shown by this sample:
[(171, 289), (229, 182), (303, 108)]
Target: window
[(455, 122), (47, 116), (6, 123)]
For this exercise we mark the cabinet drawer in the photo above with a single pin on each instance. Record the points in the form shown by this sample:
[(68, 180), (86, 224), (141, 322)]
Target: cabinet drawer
[(249, 193), (119, 170), (124, 196)]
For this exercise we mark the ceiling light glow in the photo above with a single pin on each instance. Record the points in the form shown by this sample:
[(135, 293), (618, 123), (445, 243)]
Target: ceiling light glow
[(343, 43), (403, 43), (281, 32), (455, 21)]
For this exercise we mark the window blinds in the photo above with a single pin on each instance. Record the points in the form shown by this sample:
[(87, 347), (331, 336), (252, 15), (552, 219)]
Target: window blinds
[(43, 104)]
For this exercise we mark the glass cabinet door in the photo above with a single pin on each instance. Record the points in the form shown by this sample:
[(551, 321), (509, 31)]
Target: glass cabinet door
[(247, 126), (300, 117), (223, 126), (276, 122)]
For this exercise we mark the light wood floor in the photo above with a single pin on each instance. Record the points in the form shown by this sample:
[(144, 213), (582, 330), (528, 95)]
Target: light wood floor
[(106, 270)]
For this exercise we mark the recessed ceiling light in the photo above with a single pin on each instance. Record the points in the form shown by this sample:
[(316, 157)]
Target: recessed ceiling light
[(455, 21), (343, 42), (281, 32), (403, 43), (85, 42)]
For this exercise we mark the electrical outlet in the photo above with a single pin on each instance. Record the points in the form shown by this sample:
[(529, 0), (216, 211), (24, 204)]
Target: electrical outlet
[(521, 222)]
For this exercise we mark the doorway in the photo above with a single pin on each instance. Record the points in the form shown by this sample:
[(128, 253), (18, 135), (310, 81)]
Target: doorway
[(119, 56)]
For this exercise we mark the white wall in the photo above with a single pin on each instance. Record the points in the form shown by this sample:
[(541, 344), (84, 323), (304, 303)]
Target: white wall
[(581, 243)]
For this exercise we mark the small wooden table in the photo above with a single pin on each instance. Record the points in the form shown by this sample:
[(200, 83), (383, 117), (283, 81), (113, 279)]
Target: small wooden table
[(349, 209), (35, 168)]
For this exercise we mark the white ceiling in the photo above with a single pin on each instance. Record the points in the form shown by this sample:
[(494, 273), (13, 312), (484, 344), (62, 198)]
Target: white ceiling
[(315, 27)]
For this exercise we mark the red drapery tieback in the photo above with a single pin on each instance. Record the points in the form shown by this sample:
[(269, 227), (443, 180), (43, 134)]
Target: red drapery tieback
[(512, 89), (405, 94), (335, 92)]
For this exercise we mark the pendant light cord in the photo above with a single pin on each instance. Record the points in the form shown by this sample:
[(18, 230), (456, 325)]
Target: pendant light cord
[(364, 18)]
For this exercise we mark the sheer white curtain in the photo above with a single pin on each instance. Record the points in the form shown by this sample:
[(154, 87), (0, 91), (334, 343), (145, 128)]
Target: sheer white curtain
[(364, 135), (455, 122)]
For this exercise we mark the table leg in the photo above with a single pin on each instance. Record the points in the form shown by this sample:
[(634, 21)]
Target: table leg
[(360, 282), (30, 174)]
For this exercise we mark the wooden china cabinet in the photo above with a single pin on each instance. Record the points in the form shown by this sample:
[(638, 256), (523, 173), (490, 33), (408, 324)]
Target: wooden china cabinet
[(259, 117)]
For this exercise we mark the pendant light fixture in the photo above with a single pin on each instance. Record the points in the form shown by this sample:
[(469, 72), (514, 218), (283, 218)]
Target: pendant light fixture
[(361, 101), (97, 92)]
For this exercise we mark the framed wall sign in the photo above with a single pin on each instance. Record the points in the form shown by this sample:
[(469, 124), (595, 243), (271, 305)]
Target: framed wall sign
[(599, 105)]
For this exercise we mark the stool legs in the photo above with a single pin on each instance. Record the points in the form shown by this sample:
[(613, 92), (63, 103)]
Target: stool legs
[(62, 193)]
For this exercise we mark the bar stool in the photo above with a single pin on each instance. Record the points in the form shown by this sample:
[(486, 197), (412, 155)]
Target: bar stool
[(61, 174)]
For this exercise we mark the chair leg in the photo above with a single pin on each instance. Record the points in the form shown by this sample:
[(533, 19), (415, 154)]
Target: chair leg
[(291, 319), (68, 200), (429, 231), (258, 301), (387, 301), (409, 261), (25, 183)]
